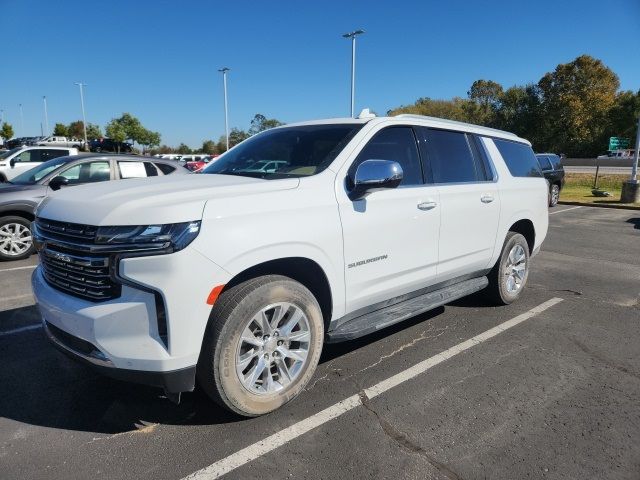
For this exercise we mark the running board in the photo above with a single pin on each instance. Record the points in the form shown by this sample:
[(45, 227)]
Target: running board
[(387, 316)]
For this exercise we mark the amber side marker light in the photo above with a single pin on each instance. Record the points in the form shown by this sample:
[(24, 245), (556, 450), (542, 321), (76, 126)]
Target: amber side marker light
[(215, 293)]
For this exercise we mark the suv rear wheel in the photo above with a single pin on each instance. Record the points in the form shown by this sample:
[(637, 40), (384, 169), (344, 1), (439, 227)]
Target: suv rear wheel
[(262, 345), (15, 238), (510, 273)]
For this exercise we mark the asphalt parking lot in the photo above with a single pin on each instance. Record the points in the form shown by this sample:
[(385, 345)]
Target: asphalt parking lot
[(552, 392)]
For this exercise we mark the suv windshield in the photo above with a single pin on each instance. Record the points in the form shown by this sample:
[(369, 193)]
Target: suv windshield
[(289, 151), (30, 177)]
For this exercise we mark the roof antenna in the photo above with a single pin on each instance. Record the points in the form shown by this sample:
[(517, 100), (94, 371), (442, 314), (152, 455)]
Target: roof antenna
[(366, 113)]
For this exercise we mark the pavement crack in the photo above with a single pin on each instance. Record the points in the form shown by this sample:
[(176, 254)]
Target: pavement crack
[(602, 359), (404, 441)]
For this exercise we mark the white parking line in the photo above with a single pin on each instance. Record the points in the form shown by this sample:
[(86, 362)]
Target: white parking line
[(21, 329), (266, 445), (565, 210), (17, 268)]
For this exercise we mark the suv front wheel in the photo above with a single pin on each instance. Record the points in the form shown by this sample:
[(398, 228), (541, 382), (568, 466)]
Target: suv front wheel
[(510, 273), (262, 345)]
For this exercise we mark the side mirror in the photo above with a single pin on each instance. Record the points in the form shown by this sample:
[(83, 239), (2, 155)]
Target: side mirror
[(12, 162), (56, 182), (373, 175)]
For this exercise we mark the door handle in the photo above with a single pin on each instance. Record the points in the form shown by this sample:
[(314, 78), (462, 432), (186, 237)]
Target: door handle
[(486, 198), (427, 205)]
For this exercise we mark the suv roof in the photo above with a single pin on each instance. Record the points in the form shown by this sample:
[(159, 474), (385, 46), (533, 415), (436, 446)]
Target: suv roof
[(420, 120)]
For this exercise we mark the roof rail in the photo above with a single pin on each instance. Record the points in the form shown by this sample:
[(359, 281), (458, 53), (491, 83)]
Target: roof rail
[(453, 122)]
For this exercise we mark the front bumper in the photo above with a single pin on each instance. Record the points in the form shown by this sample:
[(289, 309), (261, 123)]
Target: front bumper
[(121, 337)]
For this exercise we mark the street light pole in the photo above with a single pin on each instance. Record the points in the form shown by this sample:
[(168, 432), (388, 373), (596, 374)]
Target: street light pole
[(46, 115), (352, 36), (224, 71), (21, 120), (631, 188), (84, 120)]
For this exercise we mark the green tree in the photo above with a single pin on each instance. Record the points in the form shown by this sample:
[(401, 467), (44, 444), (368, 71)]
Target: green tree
[(624, 114), (147, 138), (93, 131), (6, 132), (209, 147), (116, 132), (60, 129), (76, 129), (236, 136), (450, 109), (577, 98), (485, 96), (261, 123), (519, 111), (183, 149)]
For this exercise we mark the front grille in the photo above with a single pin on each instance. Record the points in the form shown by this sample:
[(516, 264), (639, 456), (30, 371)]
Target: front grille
[(83, 276), (70, 232)]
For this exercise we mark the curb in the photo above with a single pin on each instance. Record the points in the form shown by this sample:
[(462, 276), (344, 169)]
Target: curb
[(601, 205)]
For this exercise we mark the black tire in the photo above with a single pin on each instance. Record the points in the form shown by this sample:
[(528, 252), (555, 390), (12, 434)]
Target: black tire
[(3, 179), (21, 221), (554, 195), (216, 371), (498, 291)]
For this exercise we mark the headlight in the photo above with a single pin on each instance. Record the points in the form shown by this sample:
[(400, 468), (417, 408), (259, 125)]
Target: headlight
[(176, 235)]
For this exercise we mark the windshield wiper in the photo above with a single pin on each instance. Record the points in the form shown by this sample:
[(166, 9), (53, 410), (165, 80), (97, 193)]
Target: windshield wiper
[(241, 174)]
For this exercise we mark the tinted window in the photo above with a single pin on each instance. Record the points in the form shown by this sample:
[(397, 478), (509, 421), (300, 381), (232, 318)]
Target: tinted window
[(28, 156), (304, 150), (164, 168), (556, 161), (520, 159), (450, 157), (88, 172), (397, 144), (545, 164), (150, 169), (49, 154)]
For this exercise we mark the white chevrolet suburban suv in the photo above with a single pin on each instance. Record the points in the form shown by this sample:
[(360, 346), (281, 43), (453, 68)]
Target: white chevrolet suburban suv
[(235, 278)]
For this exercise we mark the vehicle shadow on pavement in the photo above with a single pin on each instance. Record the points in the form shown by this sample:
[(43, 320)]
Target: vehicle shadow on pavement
[(635, 221), (42, 387)]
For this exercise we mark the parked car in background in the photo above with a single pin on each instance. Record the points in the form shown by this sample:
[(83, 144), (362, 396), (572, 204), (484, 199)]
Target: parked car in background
[(56, 141), (16, 142), (553, 171), (195, 162), (108, 145), (621, 154), (20, 159), (19, 198), (237, 277)]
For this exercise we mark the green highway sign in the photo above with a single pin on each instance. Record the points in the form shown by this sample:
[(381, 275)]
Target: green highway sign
[(616, 143)]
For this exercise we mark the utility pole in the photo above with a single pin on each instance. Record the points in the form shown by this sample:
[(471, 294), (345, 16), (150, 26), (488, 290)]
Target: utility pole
[(21, 120), (631, 188), (224, 71), (84, 120), (46, 115), (352, 36)]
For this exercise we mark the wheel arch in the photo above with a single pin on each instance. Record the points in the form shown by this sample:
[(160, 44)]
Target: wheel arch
[(527, 230), (301, 269)]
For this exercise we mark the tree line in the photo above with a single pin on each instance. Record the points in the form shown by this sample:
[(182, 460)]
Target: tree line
[(572, 110), (259, 123)]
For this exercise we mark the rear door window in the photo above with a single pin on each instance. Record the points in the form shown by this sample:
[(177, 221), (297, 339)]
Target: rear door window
[(48, 154), (132, 169), (451, 158), (519, 158), (164, 168)]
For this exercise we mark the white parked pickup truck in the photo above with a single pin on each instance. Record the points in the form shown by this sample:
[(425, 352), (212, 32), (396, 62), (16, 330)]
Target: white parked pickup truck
[(235, 278), (56, 141)]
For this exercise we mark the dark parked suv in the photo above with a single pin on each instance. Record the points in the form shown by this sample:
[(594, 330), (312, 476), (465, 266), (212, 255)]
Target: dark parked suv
[(551, 165), (108, 145)]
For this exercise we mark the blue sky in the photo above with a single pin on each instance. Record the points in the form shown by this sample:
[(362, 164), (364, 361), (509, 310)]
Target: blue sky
[(158, 59)]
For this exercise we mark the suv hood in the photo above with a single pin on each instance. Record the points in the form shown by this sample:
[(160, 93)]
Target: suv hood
[(151, 201)]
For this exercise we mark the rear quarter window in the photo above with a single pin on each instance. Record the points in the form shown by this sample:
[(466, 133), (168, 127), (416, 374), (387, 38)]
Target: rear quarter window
[(519, 158)]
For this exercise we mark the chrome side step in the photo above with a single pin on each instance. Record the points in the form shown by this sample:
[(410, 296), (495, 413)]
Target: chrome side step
[(387, 316)]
